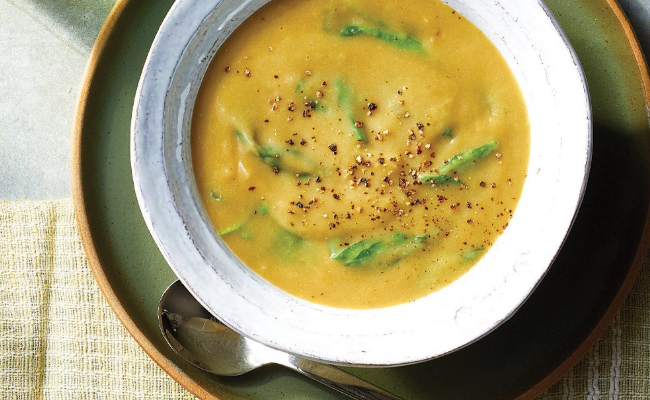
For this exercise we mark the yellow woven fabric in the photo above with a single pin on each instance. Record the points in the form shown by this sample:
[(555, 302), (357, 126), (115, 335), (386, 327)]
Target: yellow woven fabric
[(59, 339)]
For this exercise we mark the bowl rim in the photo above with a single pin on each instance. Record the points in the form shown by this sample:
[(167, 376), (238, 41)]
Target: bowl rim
[(170, 229)]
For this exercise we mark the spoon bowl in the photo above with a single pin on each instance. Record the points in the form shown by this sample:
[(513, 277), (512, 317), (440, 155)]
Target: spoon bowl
[(205, 342)]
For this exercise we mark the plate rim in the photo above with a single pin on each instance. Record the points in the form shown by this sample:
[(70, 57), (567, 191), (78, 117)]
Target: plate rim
[(83, 221)]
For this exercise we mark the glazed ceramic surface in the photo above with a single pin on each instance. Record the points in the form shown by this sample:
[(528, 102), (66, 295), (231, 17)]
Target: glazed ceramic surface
[(555, 92)]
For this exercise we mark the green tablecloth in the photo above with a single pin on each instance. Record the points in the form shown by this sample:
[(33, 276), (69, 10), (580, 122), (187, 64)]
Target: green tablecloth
[(59, 338)]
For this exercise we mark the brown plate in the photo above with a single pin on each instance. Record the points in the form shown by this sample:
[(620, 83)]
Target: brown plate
[(550, 333)]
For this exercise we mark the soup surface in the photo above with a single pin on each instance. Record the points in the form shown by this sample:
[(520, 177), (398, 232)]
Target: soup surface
[(358, 153)]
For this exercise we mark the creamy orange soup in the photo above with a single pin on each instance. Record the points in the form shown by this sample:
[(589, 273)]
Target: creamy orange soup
[(359, 153)]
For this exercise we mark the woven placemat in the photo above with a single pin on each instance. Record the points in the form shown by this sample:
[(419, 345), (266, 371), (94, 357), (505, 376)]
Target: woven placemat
[(59, 338)]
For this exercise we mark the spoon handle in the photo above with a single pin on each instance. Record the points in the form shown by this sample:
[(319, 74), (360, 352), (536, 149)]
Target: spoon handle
[(339, 380)]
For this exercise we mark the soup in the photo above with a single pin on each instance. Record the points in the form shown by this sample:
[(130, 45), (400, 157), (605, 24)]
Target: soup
[(359, 154)]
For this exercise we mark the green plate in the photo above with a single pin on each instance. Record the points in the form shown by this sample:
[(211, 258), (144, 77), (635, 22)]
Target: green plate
[(567, 313)]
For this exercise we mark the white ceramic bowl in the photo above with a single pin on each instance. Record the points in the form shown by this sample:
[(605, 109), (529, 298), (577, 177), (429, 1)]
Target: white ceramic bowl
[(555, 91)]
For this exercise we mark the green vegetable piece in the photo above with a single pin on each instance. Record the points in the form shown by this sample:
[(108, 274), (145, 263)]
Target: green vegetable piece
[(374, 251), (351, 30), (345, 98), (460, 161), (248, 141), (367, 254), (469, 157), (302, 88), (288, 160), (289, 239), (292, 161), (299, 86), (320, 106), (448, 132), (232, 228), (287, 244), (270, 155), (215, 196), (440, 179), (343, 93), (349, 22), (472, 254), (402, 246), (245, 233), (261, 209), (349, 254), (399, 40), (358, 132)]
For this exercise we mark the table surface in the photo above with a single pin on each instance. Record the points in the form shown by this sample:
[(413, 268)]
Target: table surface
[(45, 45)]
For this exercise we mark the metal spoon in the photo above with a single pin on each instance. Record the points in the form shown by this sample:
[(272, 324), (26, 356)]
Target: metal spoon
[(205, 342)]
